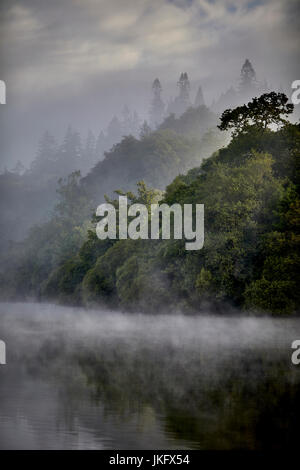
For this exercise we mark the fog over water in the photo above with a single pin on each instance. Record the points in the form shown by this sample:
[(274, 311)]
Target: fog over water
[(100, 379)]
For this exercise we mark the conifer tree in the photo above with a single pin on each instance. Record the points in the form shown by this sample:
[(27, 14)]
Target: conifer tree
[(89, 154), (100, 146), (182, 102), (157, 105), (184, 89), (44, 165), (70, 152), (114, 132), (145, 130), (199, 100), (248, 82), (135, 124)]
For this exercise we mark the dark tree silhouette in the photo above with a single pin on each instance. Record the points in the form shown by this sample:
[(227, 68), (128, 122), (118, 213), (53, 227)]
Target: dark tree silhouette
[(268, 109), (157, 105), (199, 100), (248, 81)]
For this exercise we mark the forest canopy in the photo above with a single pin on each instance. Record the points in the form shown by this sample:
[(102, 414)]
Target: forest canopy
[(250, 258)]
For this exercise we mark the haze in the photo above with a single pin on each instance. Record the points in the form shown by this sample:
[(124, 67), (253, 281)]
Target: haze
[(78, 62)]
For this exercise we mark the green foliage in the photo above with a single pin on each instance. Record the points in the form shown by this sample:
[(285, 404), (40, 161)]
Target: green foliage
[(261, 112), (51, 244), (157, 157), (250, 191), (277, 290), (194, 122), (248, 257), (100, 282)]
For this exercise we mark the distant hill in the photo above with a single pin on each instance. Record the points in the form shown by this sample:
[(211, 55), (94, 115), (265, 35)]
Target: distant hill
[(157, 158)]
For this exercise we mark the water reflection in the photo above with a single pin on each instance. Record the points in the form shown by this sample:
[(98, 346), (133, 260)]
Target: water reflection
[(77, 379)]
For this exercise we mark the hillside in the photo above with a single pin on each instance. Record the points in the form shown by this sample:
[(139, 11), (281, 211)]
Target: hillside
[(250, 190), (157, 157)]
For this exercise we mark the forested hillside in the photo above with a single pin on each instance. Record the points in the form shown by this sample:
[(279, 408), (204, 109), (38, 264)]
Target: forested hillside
[(250, 258), (156, 157), (28, 197)]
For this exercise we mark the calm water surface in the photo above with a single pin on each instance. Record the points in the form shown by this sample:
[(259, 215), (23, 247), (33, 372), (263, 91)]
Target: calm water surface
[(78, 379)]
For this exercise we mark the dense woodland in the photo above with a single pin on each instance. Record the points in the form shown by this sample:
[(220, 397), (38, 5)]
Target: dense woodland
[(28, 195), (249, 186)]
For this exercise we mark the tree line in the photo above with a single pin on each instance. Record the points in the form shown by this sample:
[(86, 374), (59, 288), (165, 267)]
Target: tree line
[(250, 189)]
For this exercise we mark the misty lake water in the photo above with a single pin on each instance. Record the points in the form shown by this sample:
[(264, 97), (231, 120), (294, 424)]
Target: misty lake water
[(78, 379)]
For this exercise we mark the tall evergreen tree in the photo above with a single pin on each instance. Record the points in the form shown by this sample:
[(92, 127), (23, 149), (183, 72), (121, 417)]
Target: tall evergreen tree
[(184, 89), (182, 101), (114, 132), (157, 105), (44, 166), (70, 153), (199, 100), (89, 153), (100, 146), (248, 82), (135, 124), (130, 123)]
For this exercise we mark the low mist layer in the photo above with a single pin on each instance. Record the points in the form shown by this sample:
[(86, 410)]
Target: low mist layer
[(99, 379)]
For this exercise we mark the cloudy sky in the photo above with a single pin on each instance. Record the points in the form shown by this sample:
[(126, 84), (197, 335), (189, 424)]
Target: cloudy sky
[(80, 61)]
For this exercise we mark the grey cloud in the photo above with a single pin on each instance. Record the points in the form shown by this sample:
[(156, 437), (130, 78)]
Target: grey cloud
[(58, 57)]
